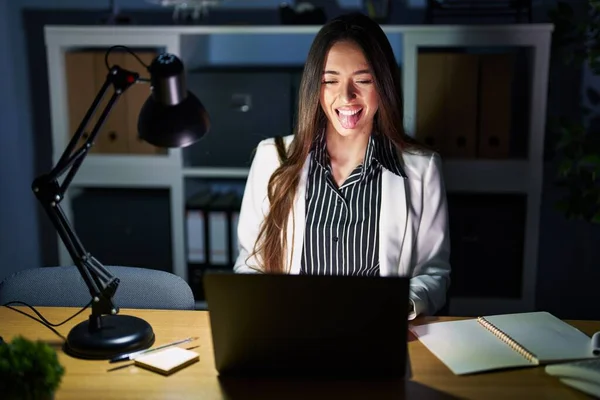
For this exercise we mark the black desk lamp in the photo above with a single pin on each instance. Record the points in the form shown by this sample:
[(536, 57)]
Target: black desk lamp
[(171, 117)]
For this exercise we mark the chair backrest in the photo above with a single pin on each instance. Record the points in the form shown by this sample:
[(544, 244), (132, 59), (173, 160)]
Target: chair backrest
[(64, 287)]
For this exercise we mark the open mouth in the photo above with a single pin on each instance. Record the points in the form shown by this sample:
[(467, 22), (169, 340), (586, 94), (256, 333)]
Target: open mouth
[(349, 118)]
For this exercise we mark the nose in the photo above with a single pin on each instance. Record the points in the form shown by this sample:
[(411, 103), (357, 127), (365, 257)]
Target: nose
[(348, 91)]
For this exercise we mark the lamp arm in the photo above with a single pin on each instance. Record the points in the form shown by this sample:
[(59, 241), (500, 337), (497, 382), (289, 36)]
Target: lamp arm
[(67, 156), (101, 284)]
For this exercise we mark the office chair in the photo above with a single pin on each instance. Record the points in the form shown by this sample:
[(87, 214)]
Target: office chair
[(64, 287)]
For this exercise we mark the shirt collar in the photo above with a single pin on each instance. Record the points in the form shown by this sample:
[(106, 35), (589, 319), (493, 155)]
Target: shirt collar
[(379, 149), (387, 155)]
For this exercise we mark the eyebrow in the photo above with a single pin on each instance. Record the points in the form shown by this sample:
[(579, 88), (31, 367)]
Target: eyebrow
[(359, 72)]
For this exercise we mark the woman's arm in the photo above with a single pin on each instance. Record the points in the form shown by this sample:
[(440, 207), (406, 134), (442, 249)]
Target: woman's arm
[(431, 275)]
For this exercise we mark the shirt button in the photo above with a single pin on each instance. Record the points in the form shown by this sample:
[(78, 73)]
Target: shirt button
[(335, 239)]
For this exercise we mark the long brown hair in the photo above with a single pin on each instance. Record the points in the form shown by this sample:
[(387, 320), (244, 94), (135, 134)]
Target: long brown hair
[(368, 35)]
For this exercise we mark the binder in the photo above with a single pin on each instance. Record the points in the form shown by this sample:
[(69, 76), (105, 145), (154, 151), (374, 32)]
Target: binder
[(220, 230), (495, 105), (447, 90), (235, 217), (112, 138), (460, 138), (235, 247), (430, 124), (134, 99), (86, 73), (197, 239), (81, 90), (211, 220)]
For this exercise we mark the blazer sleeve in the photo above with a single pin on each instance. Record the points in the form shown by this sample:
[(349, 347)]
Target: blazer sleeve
[(255, 206), (431, 277)]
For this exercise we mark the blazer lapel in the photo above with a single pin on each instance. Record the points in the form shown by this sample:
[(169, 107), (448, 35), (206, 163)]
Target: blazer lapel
[(295, 230), (393, 222)]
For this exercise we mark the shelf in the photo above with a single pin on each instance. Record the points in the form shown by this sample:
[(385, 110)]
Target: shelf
[(460, 175), (192, 172), (70, 31), (215, 46), (127, 170)]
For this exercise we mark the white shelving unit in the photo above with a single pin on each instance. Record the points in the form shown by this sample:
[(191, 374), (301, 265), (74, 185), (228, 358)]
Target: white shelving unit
[(196, 46)]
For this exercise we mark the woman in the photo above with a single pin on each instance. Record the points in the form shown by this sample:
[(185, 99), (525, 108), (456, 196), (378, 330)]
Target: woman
[(350, 193)]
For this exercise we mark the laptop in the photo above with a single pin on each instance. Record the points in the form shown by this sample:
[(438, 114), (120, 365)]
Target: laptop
[(308, 325)]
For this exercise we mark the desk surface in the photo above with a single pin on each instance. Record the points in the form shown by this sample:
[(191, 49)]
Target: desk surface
[(430, 378)]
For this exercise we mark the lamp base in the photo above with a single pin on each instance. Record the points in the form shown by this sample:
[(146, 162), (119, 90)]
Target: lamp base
[(118, 334)]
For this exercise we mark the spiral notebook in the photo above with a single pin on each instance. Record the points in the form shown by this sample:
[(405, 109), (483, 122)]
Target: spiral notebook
[(503, 341)]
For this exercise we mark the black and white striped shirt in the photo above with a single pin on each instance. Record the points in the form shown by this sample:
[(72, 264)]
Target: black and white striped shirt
[(342, 223)]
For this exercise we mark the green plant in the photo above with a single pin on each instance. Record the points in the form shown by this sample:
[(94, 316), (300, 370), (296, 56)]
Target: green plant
[(576, 41), (29, 370)]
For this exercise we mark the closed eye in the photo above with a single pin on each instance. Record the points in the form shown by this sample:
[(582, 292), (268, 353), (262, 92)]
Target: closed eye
[(362, 82)]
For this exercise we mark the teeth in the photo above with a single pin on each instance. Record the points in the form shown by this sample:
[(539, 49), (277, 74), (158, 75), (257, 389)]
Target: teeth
[(349, 112)]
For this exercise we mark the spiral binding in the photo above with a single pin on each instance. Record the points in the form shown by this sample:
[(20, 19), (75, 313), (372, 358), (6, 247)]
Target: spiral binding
[(508, 340)]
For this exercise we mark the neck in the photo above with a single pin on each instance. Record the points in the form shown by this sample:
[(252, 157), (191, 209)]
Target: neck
[(347, 151)]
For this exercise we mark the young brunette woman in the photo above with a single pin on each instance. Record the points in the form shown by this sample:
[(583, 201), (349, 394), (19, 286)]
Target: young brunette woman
[(349, 193)]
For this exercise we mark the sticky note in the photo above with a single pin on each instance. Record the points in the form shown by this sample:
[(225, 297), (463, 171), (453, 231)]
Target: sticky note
[(167, 361)]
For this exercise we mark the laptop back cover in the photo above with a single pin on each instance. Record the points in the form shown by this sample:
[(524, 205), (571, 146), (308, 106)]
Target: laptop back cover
[(265, 324)]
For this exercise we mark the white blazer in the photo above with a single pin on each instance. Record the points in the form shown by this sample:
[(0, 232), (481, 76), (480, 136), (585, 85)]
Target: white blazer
[(413, 227)]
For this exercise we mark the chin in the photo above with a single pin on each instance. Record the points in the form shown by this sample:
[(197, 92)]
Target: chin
[(349, 132)]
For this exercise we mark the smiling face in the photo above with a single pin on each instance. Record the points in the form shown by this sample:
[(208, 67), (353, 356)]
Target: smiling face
[(348, 94)]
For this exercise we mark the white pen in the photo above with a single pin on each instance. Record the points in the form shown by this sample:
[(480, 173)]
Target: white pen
[(131, 356)]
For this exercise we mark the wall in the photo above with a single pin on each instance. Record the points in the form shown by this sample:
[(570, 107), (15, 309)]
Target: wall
[(19, 246)]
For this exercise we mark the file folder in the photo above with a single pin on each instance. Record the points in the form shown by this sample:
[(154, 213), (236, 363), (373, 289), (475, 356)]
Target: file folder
[(219, 231), (211, 220), (197, 239)]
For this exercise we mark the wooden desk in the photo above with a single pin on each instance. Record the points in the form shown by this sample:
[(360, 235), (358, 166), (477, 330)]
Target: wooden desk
[(430, 378)]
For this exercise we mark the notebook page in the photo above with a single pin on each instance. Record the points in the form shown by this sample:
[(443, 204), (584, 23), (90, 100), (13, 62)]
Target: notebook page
[(544, 335), (467, 347)]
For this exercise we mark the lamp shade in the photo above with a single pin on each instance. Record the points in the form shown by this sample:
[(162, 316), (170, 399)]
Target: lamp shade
[(172, 116)]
